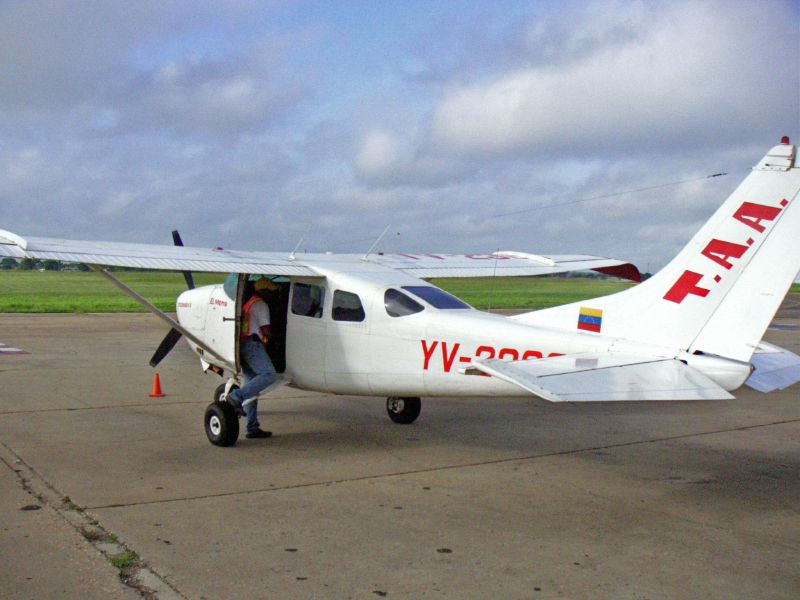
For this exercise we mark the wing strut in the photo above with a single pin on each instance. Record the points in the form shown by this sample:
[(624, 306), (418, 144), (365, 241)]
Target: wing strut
[(161, 315)]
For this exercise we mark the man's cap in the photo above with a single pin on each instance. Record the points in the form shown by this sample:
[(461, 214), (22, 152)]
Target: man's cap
[(264, 284)]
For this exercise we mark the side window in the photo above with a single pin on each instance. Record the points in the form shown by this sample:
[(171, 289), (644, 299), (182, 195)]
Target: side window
[(399, 305), (307, 300), (347, 307)]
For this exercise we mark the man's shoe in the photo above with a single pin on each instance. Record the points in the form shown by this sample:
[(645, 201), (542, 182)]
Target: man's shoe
[(258, 433)]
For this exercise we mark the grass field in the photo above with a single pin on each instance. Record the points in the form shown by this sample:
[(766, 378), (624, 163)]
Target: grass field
[(52, 291), (49, 291), (528, 292)]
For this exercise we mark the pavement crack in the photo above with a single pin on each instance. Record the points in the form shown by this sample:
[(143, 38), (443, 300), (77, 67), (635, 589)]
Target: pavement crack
[(133, 572), (103, 407), (442, 468)]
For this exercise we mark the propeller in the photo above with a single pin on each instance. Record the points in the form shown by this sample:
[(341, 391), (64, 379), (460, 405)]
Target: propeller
[(173, 335), (167, 344), (187, 275)]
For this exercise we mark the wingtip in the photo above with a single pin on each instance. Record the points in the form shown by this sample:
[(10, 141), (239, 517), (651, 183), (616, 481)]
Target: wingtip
[(624, 271), (12, 239)]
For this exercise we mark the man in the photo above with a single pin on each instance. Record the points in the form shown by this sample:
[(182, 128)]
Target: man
[(257, 367)]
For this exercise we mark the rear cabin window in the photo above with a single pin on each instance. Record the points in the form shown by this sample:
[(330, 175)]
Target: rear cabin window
[(347, 307), (435, 297), (307, 300), (399, 304)]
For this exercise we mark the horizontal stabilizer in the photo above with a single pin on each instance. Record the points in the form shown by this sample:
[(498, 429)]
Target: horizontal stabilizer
[(775, 368), (605, 377)]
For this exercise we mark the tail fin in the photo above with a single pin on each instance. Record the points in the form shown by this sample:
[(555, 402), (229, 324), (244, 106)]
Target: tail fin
[(720, 293)]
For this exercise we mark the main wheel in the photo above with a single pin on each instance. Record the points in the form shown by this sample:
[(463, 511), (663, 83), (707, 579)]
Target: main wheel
[(403, 410), (222, 424)]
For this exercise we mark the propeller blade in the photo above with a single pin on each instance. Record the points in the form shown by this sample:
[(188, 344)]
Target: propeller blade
[(187, 275), (167, 344)]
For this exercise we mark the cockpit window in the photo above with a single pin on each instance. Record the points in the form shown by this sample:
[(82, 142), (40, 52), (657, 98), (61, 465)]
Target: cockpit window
[(307, 300), (231, 281), (435, 297), (347, 307), (399, 305)]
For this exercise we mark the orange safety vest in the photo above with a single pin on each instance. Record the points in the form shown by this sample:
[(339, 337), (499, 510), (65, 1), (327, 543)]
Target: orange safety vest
[(245, 330)]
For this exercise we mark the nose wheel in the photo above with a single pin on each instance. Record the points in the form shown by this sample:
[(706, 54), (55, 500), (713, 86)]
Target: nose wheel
[(221, 422), (403, 410)]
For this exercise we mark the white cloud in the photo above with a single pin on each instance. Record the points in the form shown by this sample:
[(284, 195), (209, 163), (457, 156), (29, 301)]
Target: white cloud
[(386, 159), (237, 94), (56, 53), (379, 153), (22, 167), (685, 71), (116, 204)]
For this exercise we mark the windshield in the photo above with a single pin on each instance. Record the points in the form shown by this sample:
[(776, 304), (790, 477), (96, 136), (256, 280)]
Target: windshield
[(399, 305), (435, 297)]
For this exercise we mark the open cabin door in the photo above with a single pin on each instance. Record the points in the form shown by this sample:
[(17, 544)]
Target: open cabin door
[(277, 302), (239, 295), (220, 327), (222, 319)]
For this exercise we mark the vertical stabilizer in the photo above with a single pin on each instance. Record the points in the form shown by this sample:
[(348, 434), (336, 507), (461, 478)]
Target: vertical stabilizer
[(722, 290)]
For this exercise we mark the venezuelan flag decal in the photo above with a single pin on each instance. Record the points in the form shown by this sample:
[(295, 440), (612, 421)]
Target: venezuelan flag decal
[(590, 319)]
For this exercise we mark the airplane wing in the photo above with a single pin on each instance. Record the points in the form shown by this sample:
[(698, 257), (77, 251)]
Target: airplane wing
[(775, 368), (219, 260), (150, 256), (604, 377), (504, 263)]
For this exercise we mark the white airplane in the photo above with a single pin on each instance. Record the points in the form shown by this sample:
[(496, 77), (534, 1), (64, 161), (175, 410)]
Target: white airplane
[(371, 325)]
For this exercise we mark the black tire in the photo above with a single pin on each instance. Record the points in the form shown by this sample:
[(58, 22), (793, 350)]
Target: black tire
[(220, 389), (403, 410), (221, 424)]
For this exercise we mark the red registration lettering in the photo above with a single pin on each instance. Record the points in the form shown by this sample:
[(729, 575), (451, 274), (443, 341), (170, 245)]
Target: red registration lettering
[(487, 351), (752, 214), (508, 353), (686, 284), (427, 353), (720, 251), (448, 358)]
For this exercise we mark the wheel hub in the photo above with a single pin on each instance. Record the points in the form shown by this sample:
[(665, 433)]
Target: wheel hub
[(215, 425), (396, 405)]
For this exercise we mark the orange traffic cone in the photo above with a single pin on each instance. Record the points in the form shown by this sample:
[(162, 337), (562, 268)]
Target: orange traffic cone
[(155, 391)]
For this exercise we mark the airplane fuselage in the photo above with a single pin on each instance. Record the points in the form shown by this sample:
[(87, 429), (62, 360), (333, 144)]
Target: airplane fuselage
[(363, 347)]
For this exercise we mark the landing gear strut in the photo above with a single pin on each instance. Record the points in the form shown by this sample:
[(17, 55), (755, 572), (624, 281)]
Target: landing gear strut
[(403, 410)]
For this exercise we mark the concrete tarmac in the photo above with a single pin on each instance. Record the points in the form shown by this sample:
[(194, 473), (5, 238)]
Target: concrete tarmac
[(480, 498)]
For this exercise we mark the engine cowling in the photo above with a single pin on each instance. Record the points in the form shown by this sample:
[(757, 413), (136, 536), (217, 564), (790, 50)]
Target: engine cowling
[(210, 314)]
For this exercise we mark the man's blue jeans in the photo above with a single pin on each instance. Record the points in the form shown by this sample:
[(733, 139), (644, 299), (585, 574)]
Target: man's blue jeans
[(259, 374)]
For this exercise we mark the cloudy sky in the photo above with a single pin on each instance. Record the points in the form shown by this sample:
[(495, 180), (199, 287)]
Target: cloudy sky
[(468, 126)]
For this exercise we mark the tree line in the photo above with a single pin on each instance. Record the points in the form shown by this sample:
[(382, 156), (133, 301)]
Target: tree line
[(34, 264)]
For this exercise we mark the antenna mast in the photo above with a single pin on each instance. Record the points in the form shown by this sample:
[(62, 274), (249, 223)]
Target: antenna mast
[(375, 243)]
